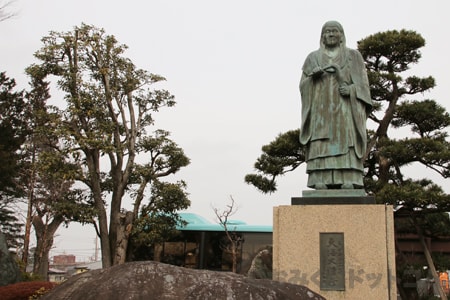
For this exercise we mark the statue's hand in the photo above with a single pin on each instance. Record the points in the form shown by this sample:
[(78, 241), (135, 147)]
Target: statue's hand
[(344, 90), (317, 72)]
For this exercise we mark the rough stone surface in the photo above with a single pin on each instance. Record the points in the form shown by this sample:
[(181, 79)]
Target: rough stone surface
[(261, 267), (9, 271), (153, 280)]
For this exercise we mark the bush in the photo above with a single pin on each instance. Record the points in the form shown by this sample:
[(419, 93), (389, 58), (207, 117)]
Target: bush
[(25, 290)]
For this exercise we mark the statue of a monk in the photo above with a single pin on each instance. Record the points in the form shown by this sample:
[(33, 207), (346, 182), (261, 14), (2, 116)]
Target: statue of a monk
[(335, 103)]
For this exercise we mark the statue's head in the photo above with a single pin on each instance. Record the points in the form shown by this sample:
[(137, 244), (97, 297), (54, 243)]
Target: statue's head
[(332, 26)]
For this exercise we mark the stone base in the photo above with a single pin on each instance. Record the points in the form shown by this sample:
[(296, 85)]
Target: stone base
[(367, 231)]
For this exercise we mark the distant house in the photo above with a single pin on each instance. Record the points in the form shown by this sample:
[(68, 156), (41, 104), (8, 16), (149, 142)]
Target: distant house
[(64, 259), (88, 267), (65, 266), (64, 262), (56, 275)]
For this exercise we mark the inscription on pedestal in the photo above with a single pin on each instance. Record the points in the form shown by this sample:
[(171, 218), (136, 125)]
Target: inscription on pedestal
[(332, 261)]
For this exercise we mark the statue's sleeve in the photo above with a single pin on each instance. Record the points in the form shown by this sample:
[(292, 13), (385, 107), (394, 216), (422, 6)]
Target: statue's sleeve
[(306, 92), (359, 78), (361, 101)]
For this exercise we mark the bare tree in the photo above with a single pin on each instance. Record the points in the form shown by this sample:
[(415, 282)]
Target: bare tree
[(234, 240), (4, 14)]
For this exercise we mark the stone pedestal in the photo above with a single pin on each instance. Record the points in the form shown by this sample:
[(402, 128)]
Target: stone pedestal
[(341, 251)]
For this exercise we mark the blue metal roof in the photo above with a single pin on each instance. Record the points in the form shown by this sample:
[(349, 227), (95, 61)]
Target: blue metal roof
[(198, 223)]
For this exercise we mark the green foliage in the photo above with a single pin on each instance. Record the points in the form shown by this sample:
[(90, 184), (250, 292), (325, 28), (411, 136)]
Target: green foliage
[(166, 157), (392, 50), (387, 54), (158, 219), (437, 224), (102, 130), (14, 112), (282, 155), (418, 194), (427, 144), (98, 82), (50, 170), (10, 225), (13, 128), (426, 118), (27, 276)]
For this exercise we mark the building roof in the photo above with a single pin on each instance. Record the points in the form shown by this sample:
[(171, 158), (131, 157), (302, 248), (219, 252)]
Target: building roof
[(198, 223), (56, 271), (94, 265)]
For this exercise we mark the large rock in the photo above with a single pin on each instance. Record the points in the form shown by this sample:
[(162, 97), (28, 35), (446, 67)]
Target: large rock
[(9, 271), (153, 280)]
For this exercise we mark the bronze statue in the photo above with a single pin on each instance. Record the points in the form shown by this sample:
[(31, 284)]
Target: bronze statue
[(335, 103)]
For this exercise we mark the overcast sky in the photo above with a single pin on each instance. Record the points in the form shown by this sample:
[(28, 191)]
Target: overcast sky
[(234, 68)]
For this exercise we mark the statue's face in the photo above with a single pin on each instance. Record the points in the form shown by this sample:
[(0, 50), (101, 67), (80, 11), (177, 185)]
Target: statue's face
[(331, 36)]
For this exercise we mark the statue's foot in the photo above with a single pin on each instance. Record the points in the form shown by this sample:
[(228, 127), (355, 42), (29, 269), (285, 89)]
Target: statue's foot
[(320, 186), (347, 186)]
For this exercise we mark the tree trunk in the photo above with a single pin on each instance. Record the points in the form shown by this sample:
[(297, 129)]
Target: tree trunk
[(116, 226), (123, 233), (386, 121), (26, 240), (384, 166), (120, 222), (104, 236), (234, 258), (430, 262), (44, 237), (93, 162)]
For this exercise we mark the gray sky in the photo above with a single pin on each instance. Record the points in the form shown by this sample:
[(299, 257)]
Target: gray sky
[(234, 67)]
